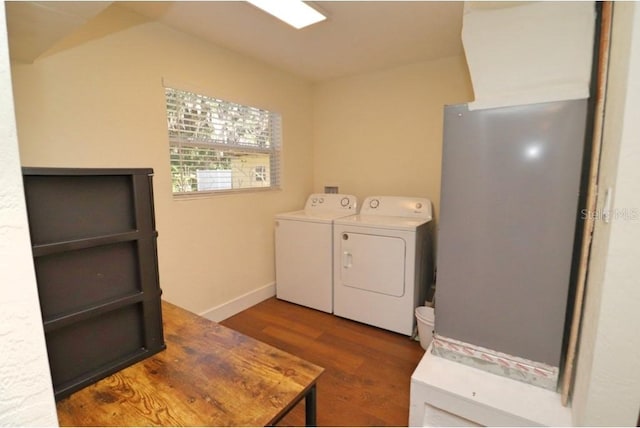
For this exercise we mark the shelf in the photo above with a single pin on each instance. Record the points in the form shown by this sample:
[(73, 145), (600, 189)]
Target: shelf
[(60, 321), (96, 241)]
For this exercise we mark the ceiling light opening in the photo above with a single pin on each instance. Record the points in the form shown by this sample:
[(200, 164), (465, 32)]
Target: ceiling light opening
[(296, 13)]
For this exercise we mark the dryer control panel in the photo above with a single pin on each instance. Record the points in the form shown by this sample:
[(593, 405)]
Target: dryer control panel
[(397, 206), (331, 202)]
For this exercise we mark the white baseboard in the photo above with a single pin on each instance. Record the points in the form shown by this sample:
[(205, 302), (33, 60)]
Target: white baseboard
[(239, 304)]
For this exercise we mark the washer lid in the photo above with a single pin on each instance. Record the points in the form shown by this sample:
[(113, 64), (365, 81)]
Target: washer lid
[(323, 208), (382, 222), (316, 217)]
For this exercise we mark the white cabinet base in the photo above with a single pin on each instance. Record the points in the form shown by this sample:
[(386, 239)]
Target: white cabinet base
[(446, 393)]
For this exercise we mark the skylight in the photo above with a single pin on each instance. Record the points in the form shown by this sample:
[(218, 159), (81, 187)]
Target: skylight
[(296, 13)]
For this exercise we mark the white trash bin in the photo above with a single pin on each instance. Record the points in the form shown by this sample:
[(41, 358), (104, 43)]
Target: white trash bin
[(425, 316)]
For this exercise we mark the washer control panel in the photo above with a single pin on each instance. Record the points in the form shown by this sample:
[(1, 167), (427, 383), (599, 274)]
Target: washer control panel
[(397, 206), (330, 202)]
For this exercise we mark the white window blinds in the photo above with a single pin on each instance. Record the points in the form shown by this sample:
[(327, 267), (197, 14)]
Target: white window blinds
[(218, 145)]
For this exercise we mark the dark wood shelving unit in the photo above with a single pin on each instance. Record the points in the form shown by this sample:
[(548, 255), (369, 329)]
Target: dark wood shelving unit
[(95, 256)]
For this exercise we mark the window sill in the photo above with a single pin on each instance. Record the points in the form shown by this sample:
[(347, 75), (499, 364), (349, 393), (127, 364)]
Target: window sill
[(204, 195)]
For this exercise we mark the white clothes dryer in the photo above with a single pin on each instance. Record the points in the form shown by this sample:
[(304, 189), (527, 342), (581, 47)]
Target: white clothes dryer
[(304, 250), (383, 262)]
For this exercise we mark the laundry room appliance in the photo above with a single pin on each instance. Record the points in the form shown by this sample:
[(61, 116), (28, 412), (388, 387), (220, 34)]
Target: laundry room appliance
[(304, 250), (383, 262), (509, 207)]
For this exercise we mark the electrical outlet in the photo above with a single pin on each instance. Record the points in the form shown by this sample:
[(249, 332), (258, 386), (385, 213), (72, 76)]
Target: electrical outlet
[(330, 189)]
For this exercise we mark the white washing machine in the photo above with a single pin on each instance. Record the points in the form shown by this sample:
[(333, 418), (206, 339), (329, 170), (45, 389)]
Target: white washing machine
[(304, 250), (383, 262)]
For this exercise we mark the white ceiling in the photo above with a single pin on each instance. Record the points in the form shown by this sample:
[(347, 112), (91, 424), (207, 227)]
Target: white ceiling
[(357, 37)]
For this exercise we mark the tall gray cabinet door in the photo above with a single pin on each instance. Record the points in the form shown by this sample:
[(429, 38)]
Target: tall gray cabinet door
[(509, 204)]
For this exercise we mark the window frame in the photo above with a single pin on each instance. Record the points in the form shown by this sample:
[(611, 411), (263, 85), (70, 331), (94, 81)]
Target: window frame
[(268, 142)]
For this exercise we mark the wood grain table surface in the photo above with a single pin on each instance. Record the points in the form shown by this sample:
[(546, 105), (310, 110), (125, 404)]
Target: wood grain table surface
[(209, 375)]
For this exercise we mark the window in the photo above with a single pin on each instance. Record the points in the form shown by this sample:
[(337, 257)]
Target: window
[(217, 145)]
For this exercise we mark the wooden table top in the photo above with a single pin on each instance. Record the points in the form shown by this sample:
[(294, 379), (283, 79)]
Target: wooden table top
[(209, 375)]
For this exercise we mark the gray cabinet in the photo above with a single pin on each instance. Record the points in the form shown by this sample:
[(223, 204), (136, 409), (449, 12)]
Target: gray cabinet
[(509, 206)]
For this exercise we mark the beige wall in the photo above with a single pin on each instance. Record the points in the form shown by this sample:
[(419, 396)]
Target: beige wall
[(381, 133), (101, 104)]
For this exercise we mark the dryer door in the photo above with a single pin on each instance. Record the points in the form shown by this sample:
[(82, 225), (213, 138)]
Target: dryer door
[(373, 263)]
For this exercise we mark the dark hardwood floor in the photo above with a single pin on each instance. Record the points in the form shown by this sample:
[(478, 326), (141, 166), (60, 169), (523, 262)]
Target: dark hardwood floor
[(367, 370)]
